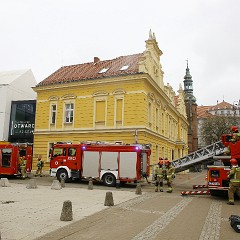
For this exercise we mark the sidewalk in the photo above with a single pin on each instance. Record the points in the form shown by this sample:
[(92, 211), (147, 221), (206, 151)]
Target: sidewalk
[(30, 213)]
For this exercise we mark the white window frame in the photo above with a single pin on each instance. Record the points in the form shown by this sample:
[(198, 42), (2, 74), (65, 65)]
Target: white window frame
[(116, 123), (69, 111), (53, 112)]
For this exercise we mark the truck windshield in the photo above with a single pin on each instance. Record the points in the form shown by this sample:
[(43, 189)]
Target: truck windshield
[(59, 152)]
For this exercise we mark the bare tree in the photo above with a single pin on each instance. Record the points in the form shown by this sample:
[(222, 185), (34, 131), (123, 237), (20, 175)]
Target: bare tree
[(213, 127)]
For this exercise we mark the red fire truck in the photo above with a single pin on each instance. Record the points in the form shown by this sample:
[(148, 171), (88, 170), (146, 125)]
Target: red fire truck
[(104, 162), (217, 173), (9, 157)]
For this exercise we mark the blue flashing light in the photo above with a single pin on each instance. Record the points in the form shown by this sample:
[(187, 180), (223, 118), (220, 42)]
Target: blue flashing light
[(83, 147), (136, 148)]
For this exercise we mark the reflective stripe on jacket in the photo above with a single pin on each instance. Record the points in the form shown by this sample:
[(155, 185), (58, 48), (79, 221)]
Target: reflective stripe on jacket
[(234, 174)]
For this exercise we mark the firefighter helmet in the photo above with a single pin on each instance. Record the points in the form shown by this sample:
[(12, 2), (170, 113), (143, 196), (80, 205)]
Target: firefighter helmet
[(160, 162), (234, 162), (167, 162), (234, 128)]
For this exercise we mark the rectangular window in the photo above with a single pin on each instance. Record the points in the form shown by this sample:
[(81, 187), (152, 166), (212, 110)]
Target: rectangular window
[(100, 112), (119, 111), (69, 107), (150, 114), (157, 120), (53, 113), (5, 157)]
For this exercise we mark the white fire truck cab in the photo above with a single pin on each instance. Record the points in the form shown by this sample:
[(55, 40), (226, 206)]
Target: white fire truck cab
[(100, 161)]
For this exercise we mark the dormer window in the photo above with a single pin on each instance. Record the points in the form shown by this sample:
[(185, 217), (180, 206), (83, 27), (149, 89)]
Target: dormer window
[(125, 67), (103, 70)]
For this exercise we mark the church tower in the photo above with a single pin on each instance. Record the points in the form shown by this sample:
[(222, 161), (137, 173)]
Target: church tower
[(191, 109)]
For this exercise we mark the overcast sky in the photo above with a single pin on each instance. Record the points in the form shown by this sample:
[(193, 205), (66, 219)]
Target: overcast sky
[(43, 35)]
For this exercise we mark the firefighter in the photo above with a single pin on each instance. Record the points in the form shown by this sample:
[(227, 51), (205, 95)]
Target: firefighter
[(234, 181), (235, 138), (40, 164), (23, 165), (169, 174), (235, 135), (159, 175)]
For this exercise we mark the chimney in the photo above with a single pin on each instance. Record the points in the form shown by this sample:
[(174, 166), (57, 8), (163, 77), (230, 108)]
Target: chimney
[(96, 59)]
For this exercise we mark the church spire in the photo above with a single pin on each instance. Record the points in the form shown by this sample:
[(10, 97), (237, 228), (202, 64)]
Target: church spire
[(188, 86)]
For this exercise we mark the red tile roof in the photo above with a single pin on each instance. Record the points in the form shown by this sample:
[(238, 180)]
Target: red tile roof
[(91, 70), (221, 106), (202, 111)]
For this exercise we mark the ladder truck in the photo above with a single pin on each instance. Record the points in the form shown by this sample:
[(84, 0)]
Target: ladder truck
[(215, 154), (100, 161)]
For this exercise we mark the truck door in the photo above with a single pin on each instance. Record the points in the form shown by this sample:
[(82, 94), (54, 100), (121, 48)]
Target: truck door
[(29, 151), (59, 157), (72, 158)]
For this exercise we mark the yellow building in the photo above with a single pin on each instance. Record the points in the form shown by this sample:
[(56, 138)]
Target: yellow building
[(123, 99)]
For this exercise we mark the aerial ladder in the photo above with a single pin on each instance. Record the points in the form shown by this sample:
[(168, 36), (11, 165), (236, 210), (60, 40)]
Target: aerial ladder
[(203, 155)]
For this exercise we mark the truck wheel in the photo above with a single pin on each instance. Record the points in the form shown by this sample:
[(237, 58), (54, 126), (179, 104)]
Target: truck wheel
[(62, 175), (109, 180)]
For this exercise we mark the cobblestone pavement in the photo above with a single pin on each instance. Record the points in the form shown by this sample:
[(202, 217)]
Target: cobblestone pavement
[(159, 216), (153, 215)]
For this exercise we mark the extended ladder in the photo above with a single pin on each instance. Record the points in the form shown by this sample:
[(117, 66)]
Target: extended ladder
[(205, 155)]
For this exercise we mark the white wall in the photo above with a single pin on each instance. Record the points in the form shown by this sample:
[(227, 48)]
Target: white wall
[(3, 117), (20, 88)]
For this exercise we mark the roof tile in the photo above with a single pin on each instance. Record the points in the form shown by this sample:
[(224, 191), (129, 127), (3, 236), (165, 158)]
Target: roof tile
[(91, 70)]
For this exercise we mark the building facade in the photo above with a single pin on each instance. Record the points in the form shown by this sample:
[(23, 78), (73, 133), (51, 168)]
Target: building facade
[(22, 121), (14, 86), (118, 100)]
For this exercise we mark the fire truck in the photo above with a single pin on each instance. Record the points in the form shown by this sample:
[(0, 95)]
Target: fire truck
[(10, 154), (217, 158), (217, 173), (100, 161)]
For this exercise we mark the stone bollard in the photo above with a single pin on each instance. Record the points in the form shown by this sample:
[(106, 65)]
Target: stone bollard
[(30, 175), (5, 182), (32, 184), (118, 183), (138, 189), (56, 185), (67, 214), (62, 183), (109, 199), (90, 184)]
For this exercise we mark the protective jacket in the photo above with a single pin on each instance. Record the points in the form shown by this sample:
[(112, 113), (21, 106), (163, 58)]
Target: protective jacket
[(234, 175), (170, 172), (159, 171)]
